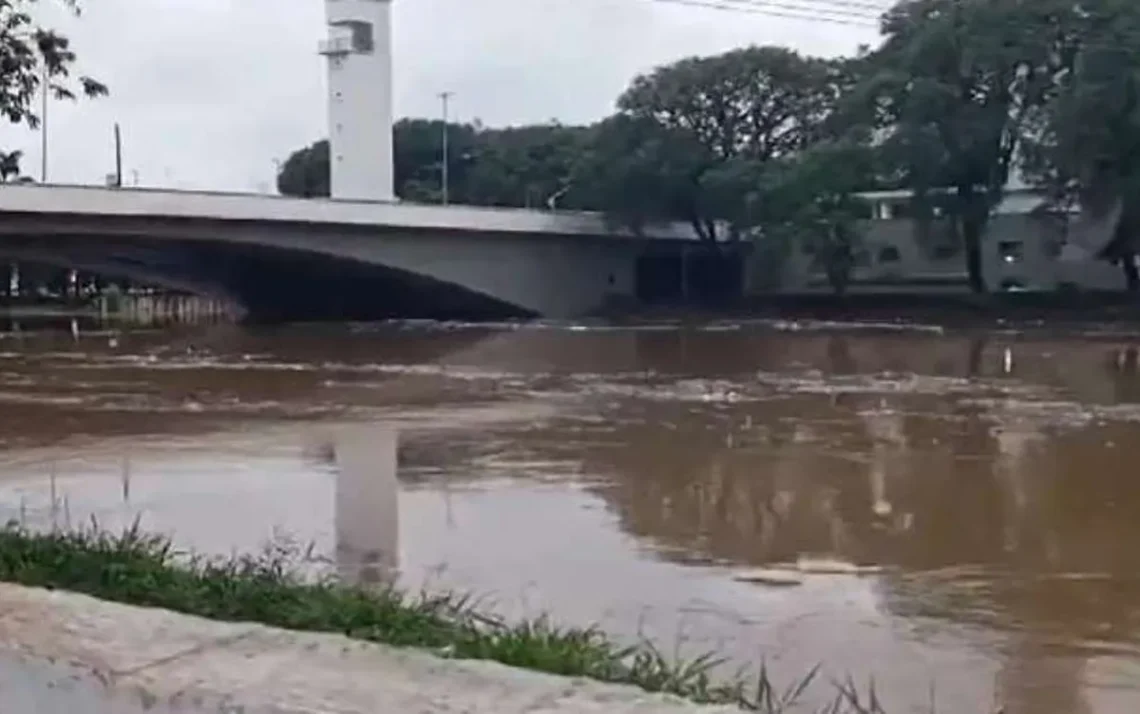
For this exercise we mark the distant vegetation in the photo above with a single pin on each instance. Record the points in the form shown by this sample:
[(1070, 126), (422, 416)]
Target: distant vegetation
[(765, 144), (516, 167)]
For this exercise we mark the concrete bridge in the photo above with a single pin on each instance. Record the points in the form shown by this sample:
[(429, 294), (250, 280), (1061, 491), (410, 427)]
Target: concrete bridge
[(297, 259)]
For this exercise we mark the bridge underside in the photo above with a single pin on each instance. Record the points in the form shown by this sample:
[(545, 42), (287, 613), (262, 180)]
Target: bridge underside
[(271, 284)]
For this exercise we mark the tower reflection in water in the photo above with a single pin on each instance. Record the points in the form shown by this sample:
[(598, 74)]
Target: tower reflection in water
[(367, 504)]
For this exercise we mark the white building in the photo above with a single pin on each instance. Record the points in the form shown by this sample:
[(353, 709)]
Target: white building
[(1023, 250)]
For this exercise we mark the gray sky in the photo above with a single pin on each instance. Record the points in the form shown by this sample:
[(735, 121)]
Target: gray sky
[(210, 92)]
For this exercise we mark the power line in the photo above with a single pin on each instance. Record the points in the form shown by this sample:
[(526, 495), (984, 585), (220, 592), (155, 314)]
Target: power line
[(798, 10), (860, 8), (758, 7), (777, 9), (798, 7)]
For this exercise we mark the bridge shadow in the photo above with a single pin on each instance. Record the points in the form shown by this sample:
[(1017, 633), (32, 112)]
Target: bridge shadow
[(271, 284)]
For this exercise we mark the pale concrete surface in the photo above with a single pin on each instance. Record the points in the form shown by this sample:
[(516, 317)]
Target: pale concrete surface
[(91, 203), (62, 653)]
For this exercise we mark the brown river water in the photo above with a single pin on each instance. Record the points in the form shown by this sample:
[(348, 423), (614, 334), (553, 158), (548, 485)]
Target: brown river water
[(626, 476)]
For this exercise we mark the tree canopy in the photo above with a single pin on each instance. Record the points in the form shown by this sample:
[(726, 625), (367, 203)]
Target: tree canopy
[(1087, 147), (29, 54), (703, 128), (951, 93), (512, 167)]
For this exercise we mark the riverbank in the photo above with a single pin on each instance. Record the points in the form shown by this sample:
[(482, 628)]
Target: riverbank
[(947, 309), (68, 652), (139, 570)]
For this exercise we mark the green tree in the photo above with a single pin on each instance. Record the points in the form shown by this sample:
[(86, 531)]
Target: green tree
[(10, 165), (526, 166), (758, 102), (640, 173), (810, 201), (952, 91), (1087, 151), (305, 174), (418, 159), (687, 133), (29, 53), (515, 167)]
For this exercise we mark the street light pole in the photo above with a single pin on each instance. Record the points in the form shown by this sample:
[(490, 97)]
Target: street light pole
[(445, 172), (118, 157), (44, 123)]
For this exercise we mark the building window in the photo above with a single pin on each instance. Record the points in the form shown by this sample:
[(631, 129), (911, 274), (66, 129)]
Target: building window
[(362, 40), (889, 254), (1011, 251)]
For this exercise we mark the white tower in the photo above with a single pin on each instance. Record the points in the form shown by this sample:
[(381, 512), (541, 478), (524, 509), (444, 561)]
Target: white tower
[(359, 51)]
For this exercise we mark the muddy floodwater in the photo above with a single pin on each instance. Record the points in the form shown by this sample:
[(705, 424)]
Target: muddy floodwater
[(975, 493)]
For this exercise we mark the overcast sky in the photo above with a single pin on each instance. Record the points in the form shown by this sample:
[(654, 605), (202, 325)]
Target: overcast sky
[(210, 92)]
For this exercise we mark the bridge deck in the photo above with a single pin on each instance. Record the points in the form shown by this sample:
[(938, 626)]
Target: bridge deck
[(159, 203)]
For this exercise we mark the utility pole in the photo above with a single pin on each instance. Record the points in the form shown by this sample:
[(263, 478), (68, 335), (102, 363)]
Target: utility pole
[(44, 122), (445, 172), (118, 157)]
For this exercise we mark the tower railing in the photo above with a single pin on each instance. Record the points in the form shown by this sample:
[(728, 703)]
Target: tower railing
[(335, 46)]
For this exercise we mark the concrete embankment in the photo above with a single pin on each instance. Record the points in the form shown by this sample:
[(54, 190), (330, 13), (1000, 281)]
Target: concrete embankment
[(62, 653)]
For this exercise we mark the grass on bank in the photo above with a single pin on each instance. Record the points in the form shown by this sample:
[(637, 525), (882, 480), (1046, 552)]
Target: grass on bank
[(141, 569)]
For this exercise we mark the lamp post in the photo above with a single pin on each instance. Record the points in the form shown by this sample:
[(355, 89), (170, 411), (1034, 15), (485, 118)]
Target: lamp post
[(118, 157), (44, 123), (445, 173)]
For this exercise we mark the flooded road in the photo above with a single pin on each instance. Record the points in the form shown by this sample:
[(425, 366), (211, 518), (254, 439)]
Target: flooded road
[(627, 477)]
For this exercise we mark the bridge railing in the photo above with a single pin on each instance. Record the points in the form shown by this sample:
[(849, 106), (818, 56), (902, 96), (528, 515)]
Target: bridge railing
[(397, 213)]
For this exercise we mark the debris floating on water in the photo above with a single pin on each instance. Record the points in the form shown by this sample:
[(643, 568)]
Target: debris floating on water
[(832, 566), (770, 576), (789, 574)]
